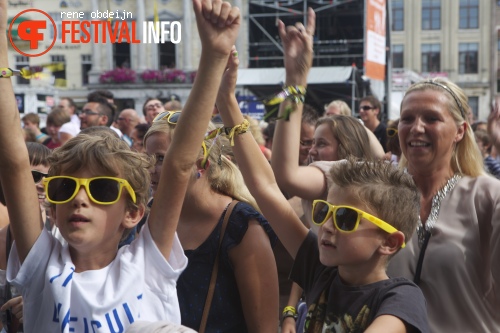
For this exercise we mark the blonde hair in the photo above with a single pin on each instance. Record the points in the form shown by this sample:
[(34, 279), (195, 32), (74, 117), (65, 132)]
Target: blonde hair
[(223, 175), (344, 109), (104, 155), (466, 158)]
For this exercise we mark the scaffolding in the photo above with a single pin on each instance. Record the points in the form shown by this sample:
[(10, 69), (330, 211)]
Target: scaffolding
[(339, 37)]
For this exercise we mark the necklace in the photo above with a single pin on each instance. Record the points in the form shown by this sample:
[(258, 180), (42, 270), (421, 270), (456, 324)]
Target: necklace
[(436, 205)]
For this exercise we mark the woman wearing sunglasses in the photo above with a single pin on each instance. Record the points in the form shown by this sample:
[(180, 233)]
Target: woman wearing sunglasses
[(247, 289), (455, 257), (343, 268), (98, 190)]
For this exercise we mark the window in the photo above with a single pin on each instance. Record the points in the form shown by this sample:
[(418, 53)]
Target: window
[(86, 67), (166, 55), (431, 58), (431, 14), (121, 55), (397, 15), (469, 14), (468, 58), (398, 56), (474, 105), (22, 61), (59, 71)]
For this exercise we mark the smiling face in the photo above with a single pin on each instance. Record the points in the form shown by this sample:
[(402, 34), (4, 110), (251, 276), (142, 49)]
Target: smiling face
[(39, 186), (325, 144), (355, 249), (89, 227), (157, 145), (427, 131)]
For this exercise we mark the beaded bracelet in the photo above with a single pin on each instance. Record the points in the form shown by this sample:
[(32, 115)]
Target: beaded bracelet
[(294, 93), (235, 130)]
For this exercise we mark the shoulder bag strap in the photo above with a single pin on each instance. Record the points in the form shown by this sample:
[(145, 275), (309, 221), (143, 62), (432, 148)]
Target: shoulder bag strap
[(213, 278)]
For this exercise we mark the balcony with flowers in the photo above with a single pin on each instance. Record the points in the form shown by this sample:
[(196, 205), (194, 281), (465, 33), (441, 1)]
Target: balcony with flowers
[(150, 77)]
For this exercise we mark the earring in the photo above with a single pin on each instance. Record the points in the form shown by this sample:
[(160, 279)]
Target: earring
[(198, 175)]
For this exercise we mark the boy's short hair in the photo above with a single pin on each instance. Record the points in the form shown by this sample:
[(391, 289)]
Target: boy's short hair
[(38, 153), (32, 118), (104, 155), (485, 139), (310, 115), (386, 189), (57, 117)]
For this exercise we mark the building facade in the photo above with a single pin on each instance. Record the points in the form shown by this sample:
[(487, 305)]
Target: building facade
[(450, 38)]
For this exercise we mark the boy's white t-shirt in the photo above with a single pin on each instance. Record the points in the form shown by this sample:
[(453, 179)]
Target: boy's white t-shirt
[(138, 285)]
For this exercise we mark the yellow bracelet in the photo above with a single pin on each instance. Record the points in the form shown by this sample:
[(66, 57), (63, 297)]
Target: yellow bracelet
[(290, 309), (238, 129)]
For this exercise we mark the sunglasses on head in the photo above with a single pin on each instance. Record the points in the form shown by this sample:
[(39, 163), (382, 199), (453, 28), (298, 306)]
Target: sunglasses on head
[(366, 107), (346, 218), (38, 176), (100, 190), (391, 131), (172, 117)]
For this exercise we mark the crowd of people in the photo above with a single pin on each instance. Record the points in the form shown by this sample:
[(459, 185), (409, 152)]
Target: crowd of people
[(190, 219)]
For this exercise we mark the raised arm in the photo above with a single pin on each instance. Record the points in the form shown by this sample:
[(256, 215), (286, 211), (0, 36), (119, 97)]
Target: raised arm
[(218, 24), (15, 175), (256, 170), (302, 181)]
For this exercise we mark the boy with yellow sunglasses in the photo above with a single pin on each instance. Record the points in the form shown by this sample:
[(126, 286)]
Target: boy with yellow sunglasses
[(98, 189), (370, 212)]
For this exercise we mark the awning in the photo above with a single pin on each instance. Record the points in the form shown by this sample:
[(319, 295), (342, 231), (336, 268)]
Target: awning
[(276, 76), (324, 84)]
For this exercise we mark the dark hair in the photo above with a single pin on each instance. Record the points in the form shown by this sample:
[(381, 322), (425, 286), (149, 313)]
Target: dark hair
[(141, 130), (104, 107), (71, 102), (32, 117), (100, 93), (310, 115), (373, 101), (38, 153), (485, 139)]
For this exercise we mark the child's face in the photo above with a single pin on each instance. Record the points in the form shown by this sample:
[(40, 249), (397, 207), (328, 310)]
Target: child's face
[(325, 145), (89, 227), (355, 249), (29, 124), (39, 186), (157, 145)]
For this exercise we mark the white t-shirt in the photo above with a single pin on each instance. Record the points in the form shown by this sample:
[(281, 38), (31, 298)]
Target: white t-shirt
[(72, 127), (138, 285)]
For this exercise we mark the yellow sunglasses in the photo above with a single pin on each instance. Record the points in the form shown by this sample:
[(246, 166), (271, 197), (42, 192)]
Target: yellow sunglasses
[(172, 117), (346, 218), (391, 131), (101, 190)]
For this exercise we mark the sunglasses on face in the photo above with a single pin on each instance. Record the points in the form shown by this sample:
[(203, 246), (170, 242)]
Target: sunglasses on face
[(153, 106), (366, 107), (38, 176), (172, 117), (101, 190), (391, 131), (346, 218)]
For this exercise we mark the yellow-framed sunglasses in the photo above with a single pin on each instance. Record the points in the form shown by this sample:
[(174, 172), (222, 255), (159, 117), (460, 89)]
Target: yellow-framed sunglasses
[(101, 190), (346, 218), (391, 131), (172, 117)]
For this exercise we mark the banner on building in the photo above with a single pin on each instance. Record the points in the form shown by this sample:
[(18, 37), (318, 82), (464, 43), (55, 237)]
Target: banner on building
[(375, 39)]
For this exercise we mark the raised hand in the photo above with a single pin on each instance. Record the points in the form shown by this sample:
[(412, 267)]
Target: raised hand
[(228, 83), (218, 25), (3, 15), (298, 47)]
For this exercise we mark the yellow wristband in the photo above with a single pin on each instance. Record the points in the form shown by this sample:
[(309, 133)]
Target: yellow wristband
[(290, 309)]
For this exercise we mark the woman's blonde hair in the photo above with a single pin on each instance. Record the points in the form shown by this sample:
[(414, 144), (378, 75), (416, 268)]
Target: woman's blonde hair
[(223, 175), (255, 130), (466, 158), (351, 136), (344, 109)]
